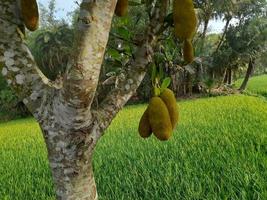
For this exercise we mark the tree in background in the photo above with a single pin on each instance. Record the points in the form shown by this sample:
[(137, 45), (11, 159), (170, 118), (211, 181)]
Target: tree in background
[(244, 43), (252, 37), (50, 52), (224, 58)]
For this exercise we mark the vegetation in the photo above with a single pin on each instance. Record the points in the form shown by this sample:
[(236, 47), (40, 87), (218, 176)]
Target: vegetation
[(257, 85), (51, 46), (218, 151), (10, 106)]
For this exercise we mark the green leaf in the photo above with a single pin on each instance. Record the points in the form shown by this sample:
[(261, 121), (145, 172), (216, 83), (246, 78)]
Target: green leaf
[(159, 58), (165, 83), (127, 49), (161, 73), (114, 54), (124, 33)]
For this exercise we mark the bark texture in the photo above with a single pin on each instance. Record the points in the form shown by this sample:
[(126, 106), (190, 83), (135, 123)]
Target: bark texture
[(70, 126)]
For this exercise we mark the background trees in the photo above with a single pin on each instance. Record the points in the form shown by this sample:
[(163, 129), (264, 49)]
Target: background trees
[(51, 45)]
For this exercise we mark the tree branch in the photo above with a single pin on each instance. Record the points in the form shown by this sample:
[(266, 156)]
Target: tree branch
[(135, 72), (91, 38), (228, 19), (19, 67)]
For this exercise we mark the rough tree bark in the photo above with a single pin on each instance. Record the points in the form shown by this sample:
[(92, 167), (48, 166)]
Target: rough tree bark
[(70, 125), (251, 66)]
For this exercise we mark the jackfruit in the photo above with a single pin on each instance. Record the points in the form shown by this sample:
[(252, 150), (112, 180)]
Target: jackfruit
[(185, 19), (188, 51), (159, 119), (170, 101), (144, 127), (30, 14), (121, 8)]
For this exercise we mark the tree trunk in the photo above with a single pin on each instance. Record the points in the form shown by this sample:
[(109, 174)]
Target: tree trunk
[(205, 29), (70, 158), (206, 23), (248, 74), (198, 78), (225, 77), (212, 74), (224, 34), (202, 43), (190, 84), (230, 77), (203, 35), (74, 185)]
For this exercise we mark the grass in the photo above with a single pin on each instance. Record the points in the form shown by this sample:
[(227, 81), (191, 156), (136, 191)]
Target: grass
[(256, 84), (218, 151)]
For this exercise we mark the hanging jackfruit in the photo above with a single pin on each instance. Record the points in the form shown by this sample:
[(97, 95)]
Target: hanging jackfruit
[(170, 101), (30, 14), (144, 126), (121, 8), (185, 19), (159, 119), (188, 51)]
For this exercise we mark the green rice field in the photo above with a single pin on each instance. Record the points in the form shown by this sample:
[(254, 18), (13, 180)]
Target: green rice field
[(218, 151)]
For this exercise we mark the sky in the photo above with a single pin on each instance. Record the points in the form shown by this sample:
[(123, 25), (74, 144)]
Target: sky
[(65, 6), (62, 7)]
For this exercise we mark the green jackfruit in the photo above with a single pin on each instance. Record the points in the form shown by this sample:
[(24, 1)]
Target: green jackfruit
[(30, 14), (144, 127), (170, 101), (121, 8), (185, 19), (188, 51), (159, 119)]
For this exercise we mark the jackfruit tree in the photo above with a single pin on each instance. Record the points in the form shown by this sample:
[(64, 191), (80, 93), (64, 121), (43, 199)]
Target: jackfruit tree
[(70, 123)]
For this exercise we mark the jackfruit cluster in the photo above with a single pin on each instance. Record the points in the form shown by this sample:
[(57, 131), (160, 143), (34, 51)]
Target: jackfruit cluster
[(121, 8), (30, 14), (185, 22), (160, 117)]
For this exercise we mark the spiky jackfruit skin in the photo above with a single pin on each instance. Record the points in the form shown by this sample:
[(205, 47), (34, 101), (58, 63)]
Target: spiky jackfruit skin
[(185, 19), (144, 126), (188, 51), (121, 8), (159, 119), (30, 14), (169, 99)]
